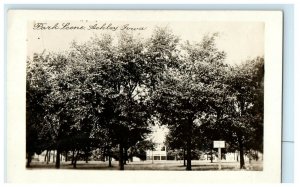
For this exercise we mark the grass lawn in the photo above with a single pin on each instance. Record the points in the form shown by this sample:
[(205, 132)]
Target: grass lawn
[(148, 165)]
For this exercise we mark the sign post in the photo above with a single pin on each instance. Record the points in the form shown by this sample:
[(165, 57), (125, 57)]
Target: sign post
[(219, 145)]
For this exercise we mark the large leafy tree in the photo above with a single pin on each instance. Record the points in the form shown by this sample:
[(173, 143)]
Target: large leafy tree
[(37, 89), (47, 101), (115, 88), (246, 114), (58, 102), (184, 95)]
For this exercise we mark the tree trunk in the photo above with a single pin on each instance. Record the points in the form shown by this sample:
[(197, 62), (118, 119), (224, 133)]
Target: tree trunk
[(86, 157), (73, 154), (66, 156), (75, 159), (125, 155), (57, 163), (242, 161), (53, 156), (121, 159), (211, 156), (109, 157), (256, 155), (188, 155), (189, 145), (109, 161), (29, 158), (152, 155), (249, 156), (46, 156), (184, 163)]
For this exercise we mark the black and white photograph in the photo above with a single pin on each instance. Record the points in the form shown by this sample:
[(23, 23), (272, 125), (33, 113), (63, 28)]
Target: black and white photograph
[(146, 95)]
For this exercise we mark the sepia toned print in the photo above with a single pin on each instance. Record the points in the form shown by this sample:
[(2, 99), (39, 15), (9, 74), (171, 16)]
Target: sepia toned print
[(145, 95), (135, 96)]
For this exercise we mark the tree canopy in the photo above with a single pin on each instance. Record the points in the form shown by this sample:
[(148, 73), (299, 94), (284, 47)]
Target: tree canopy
[(107, 92)]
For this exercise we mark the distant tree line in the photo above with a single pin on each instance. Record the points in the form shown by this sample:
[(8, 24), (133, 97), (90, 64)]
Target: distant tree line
[(105, 94)]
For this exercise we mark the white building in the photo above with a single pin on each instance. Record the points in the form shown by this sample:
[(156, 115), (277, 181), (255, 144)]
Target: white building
[(159, 153), (158, 136)]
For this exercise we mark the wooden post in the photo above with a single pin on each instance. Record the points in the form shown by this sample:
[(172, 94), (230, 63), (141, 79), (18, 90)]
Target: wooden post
[(219, 144), (219, 150), (152, 157)]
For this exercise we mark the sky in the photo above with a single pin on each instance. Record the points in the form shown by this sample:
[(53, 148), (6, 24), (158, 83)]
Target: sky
[(158, 134), (240, 40)]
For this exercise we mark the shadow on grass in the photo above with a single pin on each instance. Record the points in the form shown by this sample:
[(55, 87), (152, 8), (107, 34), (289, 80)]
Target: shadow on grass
[(147, 166)]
